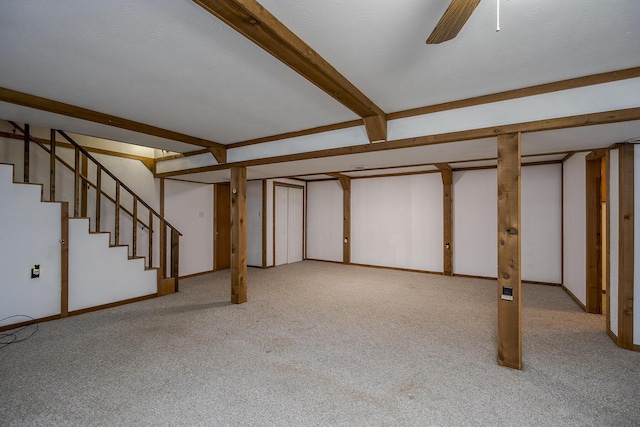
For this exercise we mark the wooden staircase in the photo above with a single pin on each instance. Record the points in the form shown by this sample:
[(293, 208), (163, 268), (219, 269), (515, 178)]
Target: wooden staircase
[(109, 212)]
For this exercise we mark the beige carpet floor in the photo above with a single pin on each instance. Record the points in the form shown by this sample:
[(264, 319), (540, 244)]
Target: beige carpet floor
[(321, 344)]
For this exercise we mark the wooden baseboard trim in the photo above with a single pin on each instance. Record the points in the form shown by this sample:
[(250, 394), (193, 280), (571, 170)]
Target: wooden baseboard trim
[(636, 347), (188, 276), (384, 267), (29, 322), (584, 307), (528, 282), (324, 260), (112, 304), (613, 336)]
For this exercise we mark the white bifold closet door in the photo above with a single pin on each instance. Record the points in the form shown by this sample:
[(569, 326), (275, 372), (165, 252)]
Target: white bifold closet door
[(289, 224)]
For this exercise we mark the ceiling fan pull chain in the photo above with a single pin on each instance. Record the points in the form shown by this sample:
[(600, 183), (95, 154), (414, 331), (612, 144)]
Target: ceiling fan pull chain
[(498, 15)]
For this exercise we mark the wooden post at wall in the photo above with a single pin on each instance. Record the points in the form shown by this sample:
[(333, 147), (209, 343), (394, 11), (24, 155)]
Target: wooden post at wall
[(626, 247), (509, 275), (238, 235), (593, 186), (64, 259), (447, 218), (345, 183), (52, 166)]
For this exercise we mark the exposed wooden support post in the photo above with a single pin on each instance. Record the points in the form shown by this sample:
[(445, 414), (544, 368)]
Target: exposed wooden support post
[(447, 217), (376, 127), (509, 278), (264, 223), (626, 247), (52, 166), (593, 183), (26, 153), (64, 259), (238, 235), (345, 183)]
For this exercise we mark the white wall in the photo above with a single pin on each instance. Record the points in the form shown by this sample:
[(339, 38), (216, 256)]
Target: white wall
[(575, 239), (397, 222), (541, 222), (189, 207), (101, 274), (614, 233), (31, 235), (475, 226), (254, 223), (324, 220)]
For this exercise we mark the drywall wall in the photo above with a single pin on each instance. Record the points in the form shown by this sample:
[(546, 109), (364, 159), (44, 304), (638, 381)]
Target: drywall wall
[(614, 234), (189, 207), (476, 217), (254, 223), (31, 235), (475, 226), (574, 218), (100, 274), (397, 222), (324, 220), (541, 223)]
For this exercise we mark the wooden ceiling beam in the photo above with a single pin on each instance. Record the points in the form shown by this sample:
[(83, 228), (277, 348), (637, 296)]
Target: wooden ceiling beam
[(590, 119), (44, 104), (257, 24)]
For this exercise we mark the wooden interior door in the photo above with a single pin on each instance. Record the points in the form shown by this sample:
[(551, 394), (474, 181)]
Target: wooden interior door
[(281, 204), (295, 225), (222, 227)]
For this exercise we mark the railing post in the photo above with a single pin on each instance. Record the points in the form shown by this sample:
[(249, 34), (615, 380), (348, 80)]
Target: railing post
[(117, 227), (98, 196), (175, 256), (134, 244), (163, 249), (84, 192), (76, 184), (150, 230), (52, 166), (26, 153)]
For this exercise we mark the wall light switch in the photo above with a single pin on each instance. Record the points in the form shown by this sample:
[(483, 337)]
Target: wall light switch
[(35, 271)]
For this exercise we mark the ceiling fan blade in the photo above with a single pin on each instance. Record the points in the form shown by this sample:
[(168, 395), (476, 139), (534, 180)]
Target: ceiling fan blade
[(452, 21)]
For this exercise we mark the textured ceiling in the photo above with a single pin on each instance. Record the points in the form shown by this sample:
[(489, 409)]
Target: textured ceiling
[(380, 45), (171, 64)]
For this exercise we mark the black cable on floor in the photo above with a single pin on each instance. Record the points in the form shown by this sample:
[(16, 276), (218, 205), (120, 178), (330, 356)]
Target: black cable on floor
[(17, 335)]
